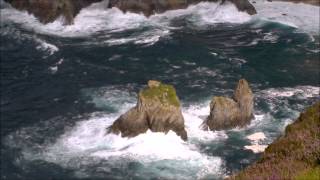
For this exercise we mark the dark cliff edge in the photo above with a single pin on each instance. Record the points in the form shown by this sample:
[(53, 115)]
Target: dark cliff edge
[(295, 155), (49, 10)]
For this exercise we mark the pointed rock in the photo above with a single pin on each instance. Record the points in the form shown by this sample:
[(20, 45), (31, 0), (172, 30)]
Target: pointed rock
[(244, 97), (226, 113)]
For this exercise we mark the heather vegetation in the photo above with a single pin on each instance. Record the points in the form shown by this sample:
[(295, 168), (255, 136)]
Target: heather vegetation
[(295, 155)]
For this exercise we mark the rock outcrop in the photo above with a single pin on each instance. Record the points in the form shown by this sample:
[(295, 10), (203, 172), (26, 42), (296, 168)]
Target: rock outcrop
[(148, 7), (49, 10), (226, 113), (158, 109), (295, 155)]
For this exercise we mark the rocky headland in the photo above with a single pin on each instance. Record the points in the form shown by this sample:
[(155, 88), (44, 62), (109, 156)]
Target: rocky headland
[(295, 155), (49, 10), (158, 109)]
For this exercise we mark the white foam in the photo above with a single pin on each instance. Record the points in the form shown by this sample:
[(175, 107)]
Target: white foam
[(53, 69), (304, 91), (303, 16), (256, 148), (256, 136), (148, 38), (194, 116), (47, 47), (206, 13), (88, 138), (97, 18)]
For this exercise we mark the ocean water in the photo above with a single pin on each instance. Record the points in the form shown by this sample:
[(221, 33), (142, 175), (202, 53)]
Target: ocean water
[(62, 86)]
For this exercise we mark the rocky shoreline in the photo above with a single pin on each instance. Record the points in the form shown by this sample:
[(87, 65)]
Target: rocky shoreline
[(295, 155), (49, 10)]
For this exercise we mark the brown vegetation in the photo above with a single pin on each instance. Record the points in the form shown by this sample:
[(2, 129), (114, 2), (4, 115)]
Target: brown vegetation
[(296, 155)]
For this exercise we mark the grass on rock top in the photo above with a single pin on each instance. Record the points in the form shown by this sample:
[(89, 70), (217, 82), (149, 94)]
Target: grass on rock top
[(166, 94)]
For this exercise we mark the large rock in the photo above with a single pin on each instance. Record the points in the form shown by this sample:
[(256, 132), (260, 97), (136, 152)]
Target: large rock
[(49, 10), (158, 109), (226, 113)]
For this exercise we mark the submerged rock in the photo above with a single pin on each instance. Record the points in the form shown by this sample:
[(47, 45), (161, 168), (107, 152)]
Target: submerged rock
[(226, 113), (158, 109), (49, 10)]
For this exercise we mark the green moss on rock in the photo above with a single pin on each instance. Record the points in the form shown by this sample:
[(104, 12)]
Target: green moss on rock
[(158, 109), (166, 94)]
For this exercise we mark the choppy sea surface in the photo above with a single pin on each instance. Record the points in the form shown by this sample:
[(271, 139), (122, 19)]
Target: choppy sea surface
[(62, 86)]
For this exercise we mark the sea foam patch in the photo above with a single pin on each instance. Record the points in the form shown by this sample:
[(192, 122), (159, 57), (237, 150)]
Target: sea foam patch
[(302, 16), (89, 139), (256, 146)]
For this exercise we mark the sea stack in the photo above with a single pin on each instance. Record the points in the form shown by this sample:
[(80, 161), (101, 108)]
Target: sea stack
[(227, 113), (158, 109)]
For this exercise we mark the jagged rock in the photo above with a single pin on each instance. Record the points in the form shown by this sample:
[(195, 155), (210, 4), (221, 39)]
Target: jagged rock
[(244, 5), (49, 10), (244, 97), (158, 109), (226, 113)]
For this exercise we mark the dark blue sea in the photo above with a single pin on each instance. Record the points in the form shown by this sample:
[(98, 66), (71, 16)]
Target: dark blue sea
[(62, 86)]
